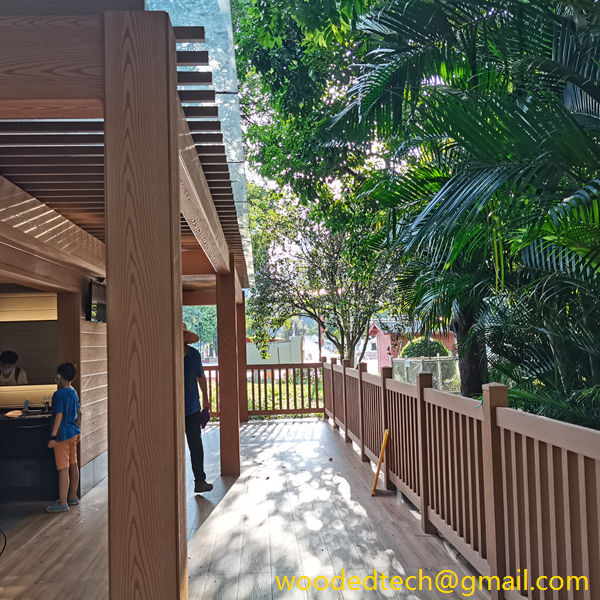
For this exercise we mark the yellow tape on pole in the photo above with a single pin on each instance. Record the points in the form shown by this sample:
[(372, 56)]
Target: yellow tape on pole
[(381, 454)]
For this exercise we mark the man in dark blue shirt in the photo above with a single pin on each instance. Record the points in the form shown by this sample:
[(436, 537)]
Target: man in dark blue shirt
[(193, 374)]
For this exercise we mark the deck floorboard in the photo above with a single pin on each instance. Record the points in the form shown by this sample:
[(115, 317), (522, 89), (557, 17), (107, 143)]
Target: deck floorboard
[(302, 506)]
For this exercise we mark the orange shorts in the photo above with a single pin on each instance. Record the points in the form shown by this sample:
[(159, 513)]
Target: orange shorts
[(65, 453)]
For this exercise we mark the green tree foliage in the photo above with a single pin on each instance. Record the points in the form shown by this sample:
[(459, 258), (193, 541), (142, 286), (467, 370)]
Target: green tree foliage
[(423, 346), (494, 109), (303, 268), (203, 321)]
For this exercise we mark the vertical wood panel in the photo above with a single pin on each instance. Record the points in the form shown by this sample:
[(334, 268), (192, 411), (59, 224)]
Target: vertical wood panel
[(147, 542)]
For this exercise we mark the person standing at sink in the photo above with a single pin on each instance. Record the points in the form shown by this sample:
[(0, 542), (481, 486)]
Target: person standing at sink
[(10, 374), (64, 435)]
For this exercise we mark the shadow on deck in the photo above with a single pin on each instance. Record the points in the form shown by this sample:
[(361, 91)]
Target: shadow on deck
[(302, 506)]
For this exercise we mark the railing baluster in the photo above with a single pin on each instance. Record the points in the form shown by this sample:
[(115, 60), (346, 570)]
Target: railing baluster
[(280, 396)]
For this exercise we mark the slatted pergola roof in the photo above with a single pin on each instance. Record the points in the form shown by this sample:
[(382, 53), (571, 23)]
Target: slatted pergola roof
[(61, 162)]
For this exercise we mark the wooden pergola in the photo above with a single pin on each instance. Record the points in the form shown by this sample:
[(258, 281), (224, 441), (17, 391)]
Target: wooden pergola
[(105, 174)]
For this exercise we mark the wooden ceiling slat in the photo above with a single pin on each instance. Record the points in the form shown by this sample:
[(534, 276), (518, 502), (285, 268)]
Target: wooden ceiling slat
[(207, 138), (51, 139), (202, 126), (51, 126), (191, 58), (190, 35), (221, 169), (212, 159), (50, 173), (197, 96), (65, 186), (210, 149), (201, 111), (28, 179), (194, 77), (24, 161), (52, 151)]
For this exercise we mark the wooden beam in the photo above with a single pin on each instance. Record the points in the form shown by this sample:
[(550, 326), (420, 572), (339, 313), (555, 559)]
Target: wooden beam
[(195, 262), (196, 201), (228, 372), (30, 225), (147, 532), (206, 297), (242, 358), (51, 67), (66, 7), (30, 270)]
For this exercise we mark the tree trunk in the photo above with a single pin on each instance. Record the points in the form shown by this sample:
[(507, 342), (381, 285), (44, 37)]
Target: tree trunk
[(472, 360)]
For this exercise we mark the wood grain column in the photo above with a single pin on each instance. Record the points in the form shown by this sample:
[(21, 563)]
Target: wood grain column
[(242, 359), (147, 541), (69, 332), (228, 372)]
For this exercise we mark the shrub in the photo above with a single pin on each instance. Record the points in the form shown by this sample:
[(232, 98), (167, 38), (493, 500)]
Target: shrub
[(424, 347)]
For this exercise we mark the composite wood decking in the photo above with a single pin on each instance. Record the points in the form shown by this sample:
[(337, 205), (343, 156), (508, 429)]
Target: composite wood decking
[(301, 506)]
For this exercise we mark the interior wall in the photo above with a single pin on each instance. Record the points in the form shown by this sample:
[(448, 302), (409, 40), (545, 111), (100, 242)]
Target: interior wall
[(94, 391), (36, 343)]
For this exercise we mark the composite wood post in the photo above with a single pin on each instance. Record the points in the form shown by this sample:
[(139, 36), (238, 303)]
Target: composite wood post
[(323, 371), (345, 364), (386, 373), (424, 380), (229, 400), (147, 510), (333, 362), (69, 331), (362, 367), (242, 359), (494, 395)]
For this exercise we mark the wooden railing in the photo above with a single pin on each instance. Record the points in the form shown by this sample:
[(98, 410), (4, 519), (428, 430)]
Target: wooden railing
[(510, 490), (285, 389)]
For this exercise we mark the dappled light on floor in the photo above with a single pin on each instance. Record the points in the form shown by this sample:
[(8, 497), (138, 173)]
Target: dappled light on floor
[(302, 506)]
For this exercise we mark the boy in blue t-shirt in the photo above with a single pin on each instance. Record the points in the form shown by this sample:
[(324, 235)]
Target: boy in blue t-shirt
[(64, 435)]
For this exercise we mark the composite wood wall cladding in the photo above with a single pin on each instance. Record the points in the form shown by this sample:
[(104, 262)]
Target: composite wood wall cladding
[(94, 391)]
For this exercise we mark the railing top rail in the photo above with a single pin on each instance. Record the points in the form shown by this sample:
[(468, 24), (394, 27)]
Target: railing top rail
[(401, 387), (314, 365), (372, 379), (454, 402), (338, 368), (573, 438), (352, 373), (285, 366)]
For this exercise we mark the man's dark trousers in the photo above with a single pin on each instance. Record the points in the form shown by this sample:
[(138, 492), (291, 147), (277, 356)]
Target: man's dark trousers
[(193, 433)]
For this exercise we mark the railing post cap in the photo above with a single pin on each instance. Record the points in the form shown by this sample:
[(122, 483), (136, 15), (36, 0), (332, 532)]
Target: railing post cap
[(347, 362), (424, 380), (333, 360), (494, 394), (323, 359), (362, 367), (386, 372)]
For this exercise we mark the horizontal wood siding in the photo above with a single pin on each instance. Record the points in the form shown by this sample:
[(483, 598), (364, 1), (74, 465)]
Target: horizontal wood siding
[(94, 391)]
